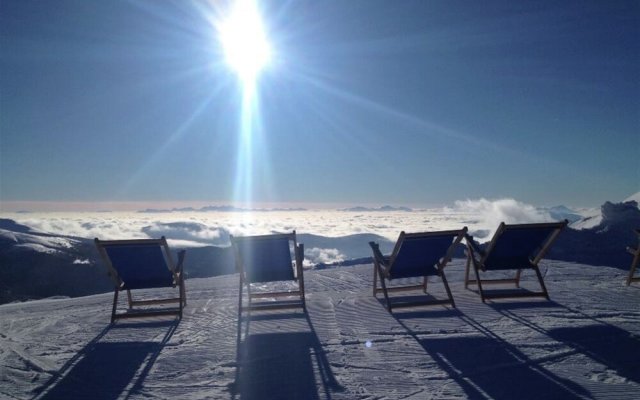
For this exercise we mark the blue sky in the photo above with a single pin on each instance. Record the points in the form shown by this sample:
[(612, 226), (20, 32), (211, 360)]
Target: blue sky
[(366, 102)]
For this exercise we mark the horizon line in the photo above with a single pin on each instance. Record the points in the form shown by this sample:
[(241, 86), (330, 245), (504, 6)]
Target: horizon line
[(35, 206), (38, 206)]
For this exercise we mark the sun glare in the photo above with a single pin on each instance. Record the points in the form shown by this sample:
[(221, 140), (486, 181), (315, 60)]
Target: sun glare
[(245, 44), (247, 51)]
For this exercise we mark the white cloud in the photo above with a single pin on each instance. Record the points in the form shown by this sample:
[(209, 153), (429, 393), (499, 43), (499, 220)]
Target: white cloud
[(86, 225), (189, 232), (488, 214), (317, 255)]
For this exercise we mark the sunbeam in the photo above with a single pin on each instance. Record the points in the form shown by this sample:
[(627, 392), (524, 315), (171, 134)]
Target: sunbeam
[(154, 158), (247, 51), (431, 128)]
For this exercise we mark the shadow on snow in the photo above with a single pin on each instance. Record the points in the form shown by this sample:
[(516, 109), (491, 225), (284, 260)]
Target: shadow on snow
[(106, 369)]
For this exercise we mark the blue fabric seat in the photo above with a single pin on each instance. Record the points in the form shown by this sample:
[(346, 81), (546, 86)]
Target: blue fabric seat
[(513, 247), (268, 258), (143, 264), (415, 255)]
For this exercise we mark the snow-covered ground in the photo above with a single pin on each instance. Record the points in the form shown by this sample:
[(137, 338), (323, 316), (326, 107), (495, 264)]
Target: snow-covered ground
[(585, 343)]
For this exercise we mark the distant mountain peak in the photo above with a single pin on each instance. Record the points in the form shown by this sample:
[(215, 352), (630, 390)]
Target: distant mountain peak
[(562, 212), (386, 208), (224, 208)]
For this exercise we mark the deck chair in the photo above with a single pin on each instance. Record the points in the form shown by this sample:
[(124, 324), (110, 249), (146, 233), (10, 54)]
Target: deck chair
[(264, 259), (634, 264), (513, 247), (143, 264), (415, 255)]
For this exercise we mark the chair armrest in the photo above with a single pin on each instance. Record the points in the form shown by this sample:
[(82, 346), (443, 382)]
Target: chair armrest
[(299, 254), (471, 244), (378, 257), (181, 256), (473, 251), (377, 254)]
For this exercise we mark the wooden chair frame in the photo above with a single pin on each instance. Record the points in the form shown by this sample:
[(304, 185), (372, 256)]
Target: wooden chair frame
[(383, 265), (119, 285), (478, 262), (634, 263), (244, 281)]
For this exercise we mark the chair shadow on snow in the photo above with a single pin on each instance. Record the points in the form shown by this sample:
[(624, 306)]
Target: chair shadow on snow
[(486, 366), (279, 365), (105, 369), (613, 347)]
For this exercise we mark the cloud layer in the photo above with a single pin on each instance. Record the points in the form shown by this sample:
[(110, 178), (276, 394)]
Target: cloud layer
[(481, 216)]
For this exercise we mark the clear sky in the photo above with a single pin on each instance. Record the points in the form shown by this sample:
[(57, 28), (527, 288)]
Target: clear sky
[(387, 102)]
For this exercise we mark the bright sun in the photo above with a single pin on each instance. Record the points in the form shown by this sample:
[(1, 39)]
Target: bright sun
[(246, 48)]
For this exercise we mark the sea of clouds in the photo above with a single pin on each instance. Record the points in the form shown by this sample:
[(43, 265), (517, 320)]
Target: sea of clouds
[(481, 216)]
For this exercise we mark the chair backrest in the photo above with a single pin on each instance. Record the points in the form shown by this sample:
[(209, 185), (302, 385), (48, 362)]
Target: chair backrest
[(421, 254), (518, 246), (136, 264), (265, 258)]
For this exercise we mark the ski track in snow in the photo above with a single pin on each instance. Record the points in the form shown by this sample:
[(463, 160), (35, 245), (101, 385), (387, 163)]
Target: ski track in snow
[(585, 343)]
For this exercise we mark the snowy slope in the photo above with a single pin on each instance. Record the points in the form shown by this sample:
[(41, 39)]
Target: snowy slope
[(592, 218), (585, 343), (634, 197)]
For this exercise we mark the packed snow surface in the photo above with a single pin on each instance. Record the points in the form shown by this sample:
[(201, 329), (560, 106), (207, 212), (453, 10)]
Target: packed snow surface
[(584, 343)]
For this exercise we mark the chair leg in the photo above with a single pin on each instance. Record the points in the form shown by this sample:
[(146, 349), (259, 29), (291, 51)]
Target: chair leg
[(129, 299), (446, 286), (384, 290), (475, 268), (240, 308), (115, 305), (182, 300), (302, 296), (239, 333), (240, 297), (518, 274), (632, 270), (466, 272), (375, 280), (184, 292), (544, 288)]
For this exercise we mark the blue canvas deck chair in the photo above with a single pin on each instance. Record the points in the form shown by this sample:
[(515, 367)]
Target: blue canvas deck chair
[(267, 259), (634, 263), (415, 255), (513, 247), (143, 264)]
